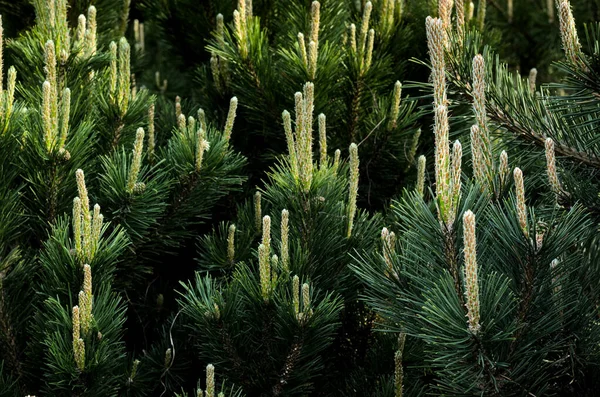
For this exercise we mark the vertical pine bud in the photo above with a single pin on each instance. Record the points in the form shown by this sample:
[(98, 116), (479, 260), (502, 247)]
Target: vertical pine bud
[(90, 39), (550, 10), (291, 144), (551, 166), (50, 18), (539, 236), (299, 109), (445, 13), (181, 123), (531, 79), (168, 358), (399, 371), (353, 37), (80, 33), (220, 29), (436, 44), (315, 21), (83, 312), (233, 103), (509, 10), (364, 27), (215, 70), (399, 9), (264, 267), (202, 119), (480, 111), (62, 31), (202, 145), (322, 141), (243, 13), (249, 9), (568, 32), (80, 354), (97, 222), (285, 231), (421, 175), (134, 368), (266, 234), (240, 21), (456, 177), (392, 13), (177, 107), (239, 32), (471, 13), (191, 122), (309, 99), (113, 69), (65, 109), (210, 381), (395, 110), (86, 316), (304, 137), (305, 297), (306, 310), (312, 60), (442, 162), (151, 142), (124, 76), (369, 55), (50, 63), (274, 266), (231, 244), (10, 90), (257, 211), (521, 207), (296, 294), (353, 187), (77, 226), (481, 11), (136, 160), (503, 168), (410, 157), (388, 245), (47, 118), (76, 327), (85, 207), (336, 160), (302, 48), (384, 16), (479, 170), (471, 280), (460, 18)]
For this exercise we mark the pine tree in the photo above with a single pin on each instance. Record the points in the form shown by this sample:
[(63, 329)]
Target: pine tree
[(76, 132), (289, 245), (503, 305), (195, 198), (261, 52)]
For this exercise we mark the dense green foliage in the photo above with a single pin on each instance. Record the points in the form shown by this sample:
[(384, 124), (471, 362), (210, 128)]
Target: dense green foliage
[(293, 198)]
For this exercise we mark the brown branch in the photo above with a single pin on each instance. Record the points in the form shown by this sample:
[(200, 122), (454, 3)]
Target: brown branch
[(288, 367)]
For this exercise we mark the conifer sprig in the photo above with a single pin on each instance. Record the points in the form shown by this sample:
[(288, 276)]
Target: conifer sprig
[(353, 187), (471, 277)]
